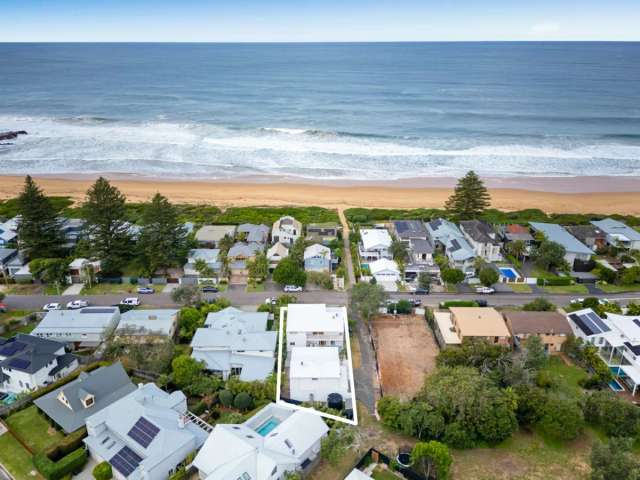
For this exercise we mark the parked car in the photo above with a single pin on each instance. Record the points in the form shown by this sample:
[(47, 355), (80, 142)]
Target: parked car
[(292, 288), (416, 302), (210, 289), (3, 308), (421, 291), (75, 304), (577, 300), (52, 306), (270, 301), (132, 301), (145, 290), (482, 302), (485, 290)]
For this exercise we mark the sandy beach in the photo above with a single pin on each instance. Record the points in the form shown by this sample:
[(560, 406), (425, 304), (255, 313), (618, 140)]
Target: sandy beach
[(567, 195)]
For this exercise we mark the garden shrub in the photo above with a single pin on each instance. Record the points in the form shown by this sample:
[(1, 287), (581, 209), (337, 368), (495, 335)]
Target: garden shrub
[(70, 464), (458, 303), (226, 398), (103, 471), (554, 281), (243, 401), (67, 445)]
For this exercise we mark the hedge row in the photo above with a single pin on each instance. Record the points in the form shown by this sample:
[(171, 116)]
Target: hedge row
[(459, 303), (554, 281), (68, 444), (70, 464)]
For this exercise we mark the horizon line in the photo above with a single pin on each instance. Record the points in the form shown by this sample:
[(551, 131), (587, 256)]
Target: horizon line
[(294, 42)]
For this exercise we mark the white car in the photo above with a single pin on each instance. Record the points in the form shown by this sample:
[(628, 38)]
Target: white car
[(76, 304), (52, 306), (292, 288), (132, 301), (485, 290)]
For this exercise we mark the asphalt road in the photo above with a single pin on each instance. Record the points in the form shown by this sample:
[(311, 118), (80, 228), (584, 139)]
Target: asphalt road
[(240, 297)]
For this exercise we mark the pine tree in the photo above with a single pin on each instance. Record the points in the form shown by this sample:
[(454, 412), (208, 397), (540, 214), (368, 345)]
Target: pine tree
[(470, 198), (107, 230), (39, 229), (163, 239)]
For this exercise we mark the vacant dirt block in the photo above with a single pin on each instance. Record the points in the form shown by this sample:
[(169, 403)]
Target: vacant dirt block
[(406, 352)]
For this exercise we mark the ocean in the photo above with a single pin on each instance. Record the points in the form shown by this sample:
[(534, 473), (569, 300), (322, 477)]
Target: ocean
[(380, 111)]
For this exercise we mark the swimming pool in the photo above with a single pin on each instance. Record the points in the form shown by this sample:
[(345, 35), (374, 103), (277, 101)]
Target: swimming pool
[(264, 429), (509, 273), (615, 386)]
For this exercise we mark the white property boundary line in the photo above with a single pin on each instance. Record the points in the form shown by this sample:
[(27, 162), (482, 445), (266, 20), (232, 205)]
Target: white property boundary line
[(310, 409)]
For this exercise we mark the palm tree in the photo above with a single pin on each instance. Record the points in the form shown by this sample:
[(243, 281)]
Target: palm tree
[(517, 249)]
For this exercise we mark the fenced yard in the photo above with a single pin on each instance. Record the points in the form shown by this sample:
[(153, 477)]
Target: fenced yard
[(406, 351)]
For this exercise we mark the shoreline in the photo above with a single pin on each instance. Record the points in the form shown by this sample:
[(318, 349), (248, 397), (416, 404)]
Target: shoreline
[(605, 195)]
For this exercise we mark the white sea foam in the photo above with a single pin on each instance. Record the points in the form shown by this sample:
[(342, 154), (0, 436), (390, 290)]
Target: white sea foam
[(89, 144)]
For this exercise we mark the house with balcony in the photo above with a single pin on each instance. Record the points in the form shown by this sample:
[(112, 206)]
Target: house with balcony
[(317, 258), (317, 372), (374, 244), (448, 238), (619, 234), (81, 269), (576, 252), (276, 440), (252, 233), (483, 239), (276, 252), (286, 230), (238, 257), (314, 325), (517, 233), (210, 257), (9, 232), (323, 233)]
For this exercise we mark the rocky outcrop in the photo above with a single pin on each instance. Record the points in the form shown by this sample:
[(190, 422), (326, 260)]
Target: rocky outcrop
[(11, 135)]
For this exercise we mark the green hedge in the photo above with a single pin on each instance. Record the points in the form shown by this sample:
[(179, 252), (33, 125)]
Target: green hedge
[(554, 281), (71, 464), (68, 444), (459, 303)]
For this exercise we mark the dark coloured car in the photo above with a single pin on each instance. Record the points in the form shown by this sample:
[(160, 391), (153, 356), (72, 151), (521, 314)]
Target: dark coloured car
[(421, 291), (210, 289)]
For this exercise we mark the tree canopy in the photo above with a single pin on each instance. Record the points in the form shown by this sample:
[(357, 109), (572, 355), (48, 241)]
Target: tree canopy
[(549, 254), (289, 272), (488, 276), (469, 199), (366, 299)]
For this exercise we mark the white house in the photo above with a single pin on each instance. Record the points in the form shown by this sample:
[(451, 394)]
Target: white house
[(575, 250), (144, 435), (448, 237), (235, 342), (314, 325), (317, 372), (483, 238), (317, 258), (286, 230), (80, 268), (157, 323), (276, 440), (8, 231), (276, 253), (386, 273), (374, 244), (85, 327), (619, 234), (11, 262), (28, 362)]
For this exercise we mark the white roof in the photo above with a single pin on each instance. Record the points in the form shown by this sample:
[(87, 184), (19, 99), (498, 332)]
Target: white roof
[(84, 320), (234, 450), (373, 238), (633, 372), (445, 326), (317, 250), (627, 325), (617, 229), (315, 362), (279, 249), (357, 475), (209, 255), (315, 317), (383, 265), (148, 322)]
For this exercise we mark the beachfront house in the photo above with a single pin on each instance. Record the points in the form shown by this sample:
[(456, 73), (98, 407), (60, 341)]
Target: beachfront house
[(235, 342), (374, 244), (286, 230), (195, 258), (617, 339), (551, 327), (448, 238), (386, 273), (251, 233), (276, 440), (592, 236), (70, 405), (147, 325), (9, 232), (317, 258), (517, 233), (619, 234), (323, 233), (577, 254), (472, 322), (28, 363), (314, 325), (86, 327), (72, 229), (209, 236), (483, 238), (276, 252), (145, 434), (317, 372), (408, 230)]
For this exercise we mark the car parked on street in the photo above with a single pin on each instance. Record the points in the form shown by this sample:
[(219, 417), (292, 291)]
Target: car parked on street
[(485, 290), (421, 291), (76, 304), (52, 306), (131, 301), (145, 290), (292, 288)]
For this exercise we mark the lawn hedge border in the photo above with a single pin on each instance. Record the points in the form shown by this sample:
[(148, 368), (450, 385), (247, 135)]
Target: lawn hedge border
[(73, 463)]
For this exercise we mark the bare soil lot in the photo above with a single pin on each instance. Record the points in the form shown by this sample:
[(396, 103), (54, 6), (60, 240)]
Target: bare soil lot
[(406, 352)]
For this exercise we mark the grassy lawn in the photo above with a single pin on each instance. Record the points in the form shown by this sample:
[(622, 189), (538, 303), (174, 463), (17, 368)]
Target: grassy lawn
[(566, 378), (33, 429), (16, 459), (538, 272), (108, 289), (381, 473), (355, 351), (258, 287), (450, 288), (566, 289), (23, 289), (519, 287), (609, 288)]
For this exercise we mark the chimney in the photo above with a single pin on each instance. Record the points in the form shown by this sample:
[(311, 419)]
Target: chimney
[(140, 386), (181, 421)]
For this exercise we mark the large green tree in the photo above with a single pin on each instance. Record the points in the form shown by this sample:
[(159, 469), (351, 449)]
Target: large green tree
[(163, 238), (39, 229), (470, 198), (549, 254), (186, 370), (430, 457), (614, 460), (366, 299), (289, 272), (488, 276), (107, 230)]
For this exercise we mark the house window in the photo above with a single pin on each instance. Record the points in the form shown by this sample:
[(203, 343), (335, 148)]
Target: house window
[(236, 370)]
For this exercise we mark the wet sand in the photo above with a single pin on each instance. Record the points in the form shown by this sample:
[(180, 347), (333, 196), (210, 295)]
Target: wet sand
[(567, 194)]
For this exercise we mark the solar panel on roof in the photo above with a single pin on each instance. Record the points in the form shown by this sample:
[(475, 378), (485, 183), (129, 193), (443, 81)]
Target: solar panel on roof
[(582, 324), (592, 326), (636, 321), (12, 349), (19, 363), (598, 321), (125, 461), (143, 432), (97, 310)]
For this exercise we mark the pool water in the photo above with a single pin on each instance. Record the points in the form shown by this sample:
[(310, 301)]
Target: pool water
[(509, 273), (615, 386), (264, 429)]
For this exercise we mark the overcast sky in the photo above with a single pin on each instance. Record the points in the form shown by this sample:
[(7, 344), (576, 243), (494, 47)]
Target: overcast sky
[(317, 20)]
